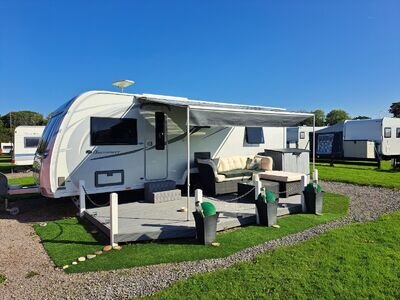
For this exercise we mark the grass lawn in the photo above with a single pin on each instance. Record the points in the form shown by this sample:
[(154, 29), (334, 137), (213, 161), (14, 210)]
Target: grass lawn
[(361, 174), (67, 239), (354, 262), (6, 166), (22, 181), (5, 158)]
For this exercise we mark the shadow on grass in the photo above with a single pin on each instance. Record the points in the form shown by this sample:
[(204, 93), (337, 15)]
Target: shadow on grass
[(35, 208), (388, 171), (100, 238)]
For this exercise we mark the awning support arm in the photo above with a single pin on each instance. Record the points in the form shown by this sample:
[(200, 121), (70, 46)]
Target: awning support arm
[(188, 161), (313, 146)]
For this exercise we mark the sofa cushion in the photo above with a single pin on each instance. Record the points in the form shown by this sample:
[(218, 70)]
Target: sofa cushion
[(220, 178), (231, 163), (237, 173), (266, 162), (280, 176)]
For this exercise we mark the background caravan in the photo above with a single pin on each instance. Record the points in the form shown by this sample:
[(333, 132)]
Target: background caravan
[(6, 148), (300, 137), (26, 140), (372, 139), (117, 142)]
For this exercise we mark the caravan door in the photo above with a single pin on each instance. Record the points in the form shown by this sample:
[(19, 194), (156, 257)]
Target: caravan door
[(156, 147)]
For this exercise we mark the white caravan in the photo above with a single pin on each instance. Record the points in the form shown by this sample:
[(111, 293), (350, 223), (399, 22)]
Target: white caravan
[(116, 142), (26, 140), (299, 137), (384, 132), (6, 148)]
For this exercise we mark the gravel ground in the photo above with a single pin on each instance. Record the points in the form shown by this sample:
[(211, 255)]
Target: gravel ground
[(21, 253), (21, 174)]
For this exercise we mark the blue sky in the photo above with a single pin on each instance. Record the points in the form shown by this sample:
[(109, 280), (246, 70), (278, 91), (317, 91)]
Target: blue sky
[(296, 54)]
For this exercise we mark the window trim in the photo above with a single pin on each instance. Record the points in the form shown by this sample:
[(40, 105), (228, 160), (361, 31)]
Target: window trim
[(92, 143), (262, 139), (387, 136)]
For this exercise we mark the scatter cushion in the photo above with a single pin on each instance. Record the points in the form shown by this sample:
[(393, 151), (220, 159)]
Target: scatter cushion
[(253, 164)]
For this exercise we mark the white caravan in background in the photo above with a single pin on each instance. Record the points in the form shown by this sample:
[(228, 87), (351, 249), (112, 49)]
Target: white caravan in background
[(117, 142), (6, 148), (26, 140), (299, 137), (384, 132)]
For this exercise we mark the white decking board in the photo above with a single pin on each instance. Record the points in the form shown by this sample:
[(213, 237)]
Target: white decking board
[(140, 221)]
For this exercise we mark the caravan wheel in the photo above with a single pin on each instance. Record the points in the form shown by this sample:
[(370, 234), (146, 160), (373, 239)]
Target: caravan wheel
[(13, 211)]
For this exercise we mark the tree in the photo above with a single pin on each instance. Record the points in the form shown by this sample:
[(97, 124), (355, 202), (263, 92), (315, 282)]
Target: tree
[(319, 118), (5, 135), (395, 109), (19, 118), (361, 118), (336, 116)]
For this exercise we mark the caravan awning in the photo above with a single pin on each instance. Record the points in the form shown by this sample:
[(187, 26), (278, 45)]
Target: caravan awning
[(204, 113)]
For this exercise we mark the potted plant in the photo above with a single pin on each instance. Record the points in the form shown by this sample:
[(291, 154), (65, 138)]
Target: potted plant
[(313, 198), (206, 218), (267, 208)]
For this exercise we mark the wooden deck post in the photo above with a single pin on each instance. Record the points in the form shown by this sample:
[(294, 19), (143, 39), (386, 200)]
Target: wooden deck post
[(113, 218), (82, 198), (257, 190), (198, 196), (315, 176), (303, 185)]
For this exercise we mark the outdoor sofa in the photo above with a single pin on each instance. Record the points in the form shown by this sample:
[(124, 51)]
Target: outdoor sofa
[(222, 175)]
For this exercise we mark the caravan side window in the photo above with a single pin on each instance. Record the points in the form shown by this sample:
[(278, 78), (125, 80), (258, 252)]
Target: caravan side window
[(387, 132), (398, 133), (31, 142), (112, 131), (254, 135), (302, 135)]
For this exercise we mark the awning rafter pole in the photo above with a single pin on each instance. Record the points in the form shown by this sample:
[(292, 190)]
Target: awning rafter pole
[(188, 161), (313, 146)]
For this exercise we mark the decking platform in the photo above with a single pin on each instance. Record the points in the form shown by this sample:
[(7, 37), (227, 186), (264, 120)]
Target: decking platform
[(140, 221)]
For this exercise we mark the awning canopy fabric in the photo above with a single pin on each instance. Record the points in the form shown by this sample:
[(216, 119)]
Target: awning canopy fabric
[(203, 113)]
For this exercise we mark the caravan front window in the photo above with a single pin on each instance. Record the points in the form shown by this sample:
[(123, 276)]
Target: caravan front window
[(112, 131), (398, 133), (31, 142)]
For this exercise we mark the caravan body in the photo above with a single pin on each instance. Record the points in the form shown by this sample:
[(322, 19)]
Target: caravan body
[(300, 137), (360, 139), (6, 148), (26, 140), (384, 132), (113, 142)]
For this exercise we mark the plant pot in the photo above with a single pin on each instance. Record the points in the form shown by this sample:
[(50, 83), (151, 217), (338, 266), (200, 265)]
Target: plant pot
[(206, 228), (267, 212), (313, 201)]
